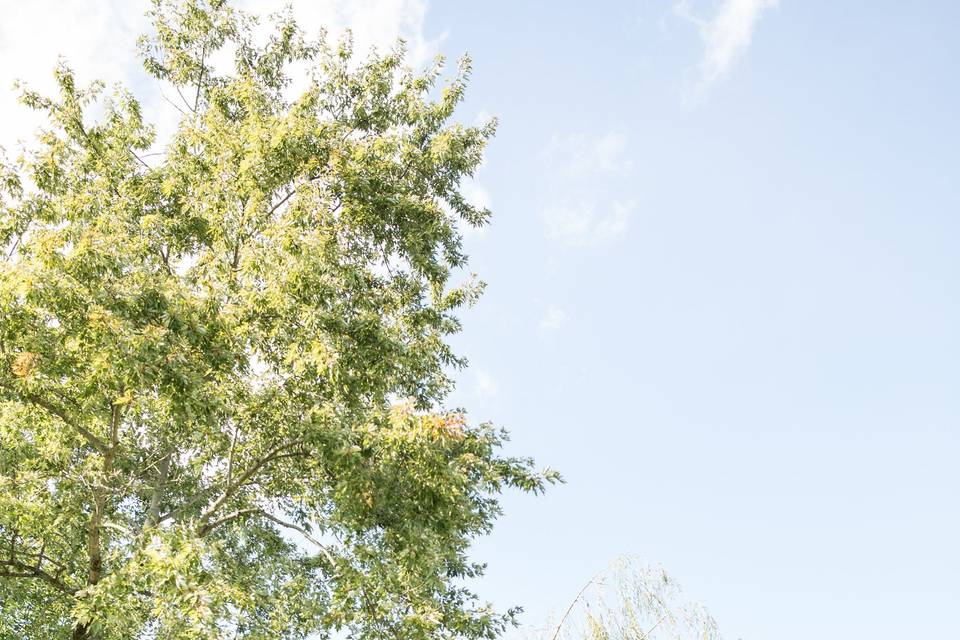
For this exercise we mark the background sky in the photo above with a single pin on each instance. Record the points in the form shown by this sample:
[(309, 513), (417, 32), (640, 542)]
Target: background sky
[(723, 288)]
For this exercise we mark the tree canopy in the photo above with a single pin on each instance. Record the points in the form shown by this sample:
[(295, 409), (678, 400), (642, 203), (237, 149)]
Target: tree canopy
[(224, 357)]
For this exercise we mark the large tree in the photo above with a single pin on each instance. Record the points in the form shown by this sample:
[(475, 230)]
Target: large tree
[(224, 358)]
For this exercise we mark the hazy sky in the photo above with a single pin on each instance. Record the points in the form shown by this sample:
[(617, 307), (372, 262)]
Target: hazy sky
[(724, 288)]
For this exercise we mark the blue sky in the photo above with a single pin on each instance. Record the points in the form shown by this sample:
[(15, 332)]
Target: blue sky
[(723, 290)]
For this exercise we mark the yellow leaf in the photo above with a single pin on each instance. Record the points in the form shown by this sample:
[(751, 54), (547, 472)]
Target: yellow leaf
[(24, 364)]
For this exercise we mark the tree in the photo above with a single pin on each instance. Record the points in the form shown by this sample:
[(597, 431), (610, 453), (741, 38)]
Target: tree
[(631, 600), (223, 365)]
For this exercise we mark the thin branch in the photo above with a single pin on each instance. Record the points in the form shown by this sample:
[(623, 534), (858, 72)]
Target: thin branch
[(301, 531), (580, 593), (277, 453), (41, 557), (651, 629), (233, 450), (196, 98), (283, 523), (172, 103), (292, 193), (141, 160), (274, 454), (180, 93), (16, 244), (230, 517)]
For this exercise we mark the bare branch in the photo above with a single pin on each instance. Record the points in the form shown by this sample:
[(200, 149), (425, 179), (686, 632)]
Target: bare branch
[(230, 517), (172, 103), (180, 93), (292, 193), (16, 244), (651, 629), (566, 613), (141, 160)]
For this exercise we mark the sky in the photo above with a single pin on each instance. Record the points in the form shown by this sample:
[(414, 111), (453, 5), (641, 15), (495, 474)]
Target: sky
[(724, 288)]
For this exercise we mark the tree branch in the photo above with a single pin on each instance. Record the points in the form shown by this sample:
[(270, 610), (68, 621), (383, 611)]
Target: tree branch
[(16, 244), (22, 570), (180, 93), (274, 454), (230, 517), (172, 103), (566, 613), (207, 528), (292, 193), (163, 471), (231, 486), (203, 57), (233, 450), (93, 440)]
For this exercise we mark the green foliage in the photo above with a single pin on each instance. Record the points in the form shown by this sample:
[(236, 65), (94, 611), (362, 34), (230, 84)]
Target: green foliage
[(222, 366)]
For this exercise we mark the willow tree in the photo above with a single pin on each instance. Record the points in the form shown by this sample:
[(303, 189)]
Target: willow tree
[(632, 600), (223, 364)]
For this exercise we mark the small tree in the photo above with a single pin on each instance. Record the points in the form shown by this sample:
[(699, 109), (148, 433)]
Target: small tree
[(221, 366), (631, 600)]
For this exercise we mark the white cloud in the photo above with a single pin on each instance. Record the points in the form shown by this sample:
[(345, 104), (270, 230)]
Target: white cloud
[(583, 223), (475, 193), (580, 155), (553, 320), (485, 386), (579, 213), (726, 36)]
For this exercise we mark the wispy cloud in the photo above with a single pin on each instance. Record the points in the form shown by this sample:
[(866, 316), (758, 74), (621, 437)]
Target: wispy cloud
[(553, 320), (579, 211), (485, 385), (579, 154), (585, 223), (726, 36)]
